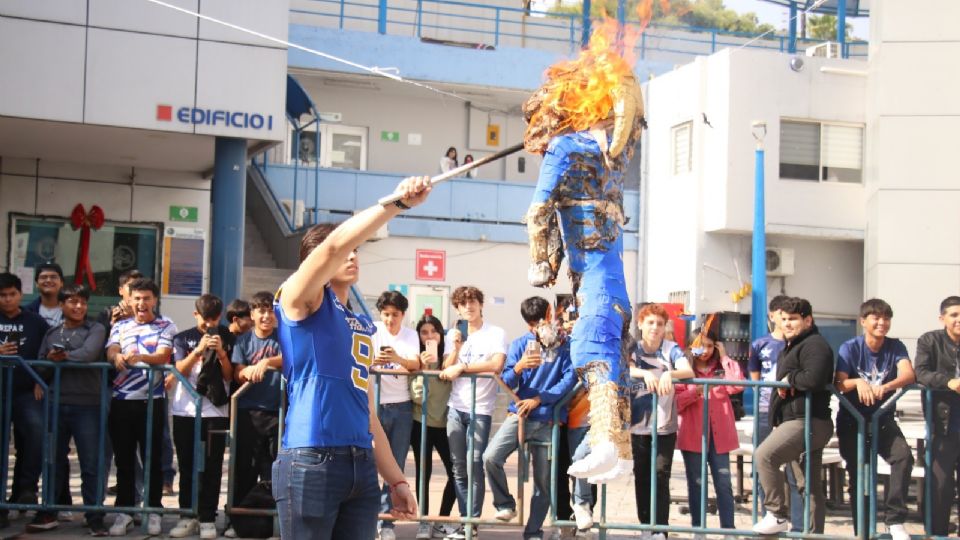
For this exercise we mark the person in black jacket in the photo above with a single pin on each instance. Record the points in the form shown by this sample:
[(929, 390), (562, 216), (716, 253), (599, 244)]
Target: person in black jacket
[(806, 364), (937, 368)]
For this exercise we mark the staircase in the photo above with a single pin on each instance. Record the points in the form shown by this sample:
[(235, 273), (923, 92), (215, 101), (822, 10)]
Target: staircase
[(260, 272)]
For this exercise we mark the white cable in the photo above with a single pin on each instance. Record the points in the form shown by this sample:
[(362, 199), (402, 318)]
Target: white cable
[(813, 6), (388, 72)]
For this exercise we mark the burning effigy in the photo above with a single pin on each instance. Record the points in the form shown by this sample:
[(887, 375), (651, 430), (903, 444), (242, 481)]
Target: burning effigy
[(585, 121)]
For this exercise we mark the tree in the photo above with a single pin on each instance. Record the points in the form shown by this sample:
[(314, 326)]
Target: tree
[(824, 27), (702, 13)]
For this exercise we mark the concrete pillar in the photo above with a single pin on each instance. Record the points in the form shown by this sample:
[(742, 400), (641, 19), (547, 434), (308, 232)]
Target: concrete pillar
[(228, 202)]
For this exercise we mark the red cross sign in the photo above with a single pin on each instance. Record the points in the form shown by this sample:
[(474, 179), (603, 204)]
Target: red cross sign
[(431, 265)]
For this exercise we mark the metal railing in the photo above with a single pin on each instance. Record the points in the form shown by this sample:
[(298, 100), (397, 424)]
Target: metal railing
[(508, 26), (51, 412)]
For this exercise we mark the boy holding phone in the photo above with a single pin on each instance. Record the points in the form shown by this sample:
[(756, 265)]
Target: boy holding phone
[(397, 347)]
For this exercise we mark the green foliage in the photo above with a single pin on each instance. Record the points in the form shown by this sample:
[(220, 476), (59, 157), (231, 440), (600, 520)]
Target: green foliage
[(702, 13), (825, 27)]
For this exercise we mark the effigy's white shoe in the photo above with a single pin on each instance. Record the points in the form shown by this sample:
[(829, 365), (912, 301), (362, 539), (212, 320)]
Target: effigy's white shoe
[(602, 459), (623, 468)]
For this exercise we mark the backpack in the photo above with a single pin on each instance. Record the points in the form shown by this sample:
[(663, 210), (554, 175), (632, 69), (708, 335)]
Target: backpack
[(250, 526)]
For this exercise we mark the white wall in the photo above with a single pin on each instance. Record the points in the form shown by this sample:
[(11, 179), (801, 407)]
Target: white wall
[(112, 62), (499, 270), (912, 255), (440, 122), (53, 189)]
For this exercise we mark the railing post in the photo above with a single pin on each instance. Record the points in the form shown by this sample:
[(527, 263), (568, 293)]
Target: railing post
[(585, 35), (496, 28), (419, 18), (713, 40), (342, 3), (382, 17)]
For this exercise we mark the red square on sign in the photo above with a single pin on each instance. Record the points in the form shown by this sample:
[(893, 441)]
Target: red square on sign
[(431, 265), (164, 112)]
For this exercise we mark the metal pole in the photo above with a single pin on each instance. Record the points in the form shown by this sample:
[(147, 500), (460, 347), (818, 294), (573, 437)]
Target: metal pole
[(807, 443), (842, 27), (758, 296), (382, 17), (653, 458), (792, 29), (585, 35), (471, 432), (704, 447)]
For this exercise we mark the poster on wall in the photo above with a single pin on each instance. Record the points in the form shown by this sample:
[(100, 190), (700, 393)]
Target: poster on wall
[(183, 261)]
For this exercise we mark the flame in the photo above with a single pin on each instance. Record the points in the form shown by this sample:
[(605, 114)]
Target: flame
[(581, 91)]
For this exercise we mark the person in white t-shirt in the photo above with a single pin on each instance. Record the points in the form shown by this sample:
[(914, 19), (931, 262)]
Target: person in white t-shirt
[(482, 350), (397, 348)]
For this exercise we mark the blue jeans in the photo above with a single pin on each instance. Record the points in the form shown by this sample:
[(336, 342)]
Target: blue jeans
[(82, 424), (720, 471), (28, 435), (579, 449), (504, 443), (458, 429), (397, 421), (326, 493), (796, 501)]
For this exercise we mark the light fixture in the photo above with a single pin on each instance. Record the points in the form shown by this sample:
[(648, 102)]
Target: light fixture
[(796, 63)]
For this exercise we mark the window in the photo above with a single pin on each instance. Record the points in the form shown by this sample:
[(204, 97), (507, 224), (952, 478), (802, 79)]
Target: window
[(114, 248), (682, 150), (342, 147), (820, 151)]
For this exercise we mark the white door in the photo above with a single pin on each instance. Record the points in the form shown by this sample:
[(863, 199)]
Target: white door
[(434, 297)]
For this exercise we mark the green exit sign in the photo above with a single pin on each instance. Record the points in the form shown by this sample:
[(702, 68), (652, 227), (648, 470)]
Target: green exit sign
[(390, 136), (183, 213)]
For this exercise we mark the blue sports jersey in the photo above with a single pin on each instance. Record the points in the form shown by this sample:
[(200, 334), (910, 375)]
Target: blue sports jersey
[(326, 362), (764, 353), (877, 368)]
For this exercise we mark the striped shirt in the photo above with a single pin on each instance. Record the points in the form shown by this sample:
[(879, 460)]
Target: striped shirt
[(136, 338)]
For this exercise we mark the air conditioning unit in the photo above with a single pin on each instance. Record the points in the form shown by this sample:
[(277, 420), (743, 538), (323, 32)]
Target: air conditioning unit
[(827, 49), (779, 262)]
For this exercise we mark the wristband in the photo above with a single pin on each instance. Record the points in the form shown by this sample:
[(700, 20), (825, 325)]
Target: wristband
[(399, 204), (393, 487)]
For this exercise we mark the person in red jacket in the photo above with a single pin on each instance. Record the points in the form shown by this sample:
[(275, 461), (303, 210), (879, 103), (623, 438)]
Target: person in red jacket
[(709, 361)]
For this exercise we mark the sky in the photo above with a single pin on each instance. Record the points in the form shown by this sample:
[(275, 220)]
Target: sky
[(777, 15)]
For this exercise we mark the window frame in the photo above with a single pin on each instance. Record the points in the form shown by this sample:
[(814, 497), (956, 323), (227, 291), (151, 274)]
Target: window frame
[(820, 158), (674, 130)]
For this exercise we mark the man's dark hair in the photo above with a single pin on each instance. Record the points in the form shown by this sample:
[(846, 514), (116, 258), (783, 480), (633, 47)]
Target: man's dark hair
[(947, 303), (8, 280), (534, 309), (129, 275), (47, 266), (209, 306), (797, 306), (461, 295), (68, 291), (876, 306), (776, 302), (262, 300), (144, 284), (394, 299), (238, 308), (314, 237)]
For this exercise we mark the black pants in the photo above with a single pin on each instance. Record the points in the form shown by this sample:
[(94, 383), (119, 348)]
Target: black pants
[(256, 450), (128, 433), (893, 448), (946, 453), (436, 439), (564, 512), (208, 493), (642, 449)]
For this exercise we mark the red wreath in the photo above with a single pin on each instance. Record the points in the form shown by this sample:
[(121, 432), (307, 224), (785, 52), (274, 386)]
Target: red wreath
[(81, 219)]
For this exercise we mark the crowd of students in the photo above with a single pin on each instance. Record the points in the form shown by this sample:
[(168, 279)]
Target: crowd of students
[(213, 360)]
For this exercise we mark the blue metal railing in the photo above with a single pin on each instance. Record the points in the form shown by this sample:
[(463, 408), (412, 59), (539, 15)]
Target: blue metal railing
[(498, 25)]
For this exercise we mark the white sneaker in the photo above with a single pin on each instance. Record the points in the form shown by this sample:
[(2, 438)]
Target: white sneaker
[(441, 531), (583, 515), (230, 533), (184, 528), (388, 534), (505, 514), (121, 525), (425, 531), (153, 524), (65, 516), (208, 531), (898, 532), (602, 458), (771, 524)]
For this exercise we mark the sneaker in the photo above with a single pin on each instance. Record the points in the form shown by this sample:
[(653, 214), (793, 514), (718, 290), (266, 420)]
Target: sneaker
[(230, 532), (97, 528), (424, 531), (387, 533), (441, 531), (458, 534), (43, 521), (121, 525), (583, 516), (184, 528), (505, 514), (153, 524), (65, 516), (898, 532), (208, 531), (771, 524)]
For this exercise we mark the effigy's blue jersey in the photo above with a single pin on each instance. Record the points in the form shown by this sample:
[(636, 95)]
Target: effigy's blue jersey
[(326, 362), (589, 201)]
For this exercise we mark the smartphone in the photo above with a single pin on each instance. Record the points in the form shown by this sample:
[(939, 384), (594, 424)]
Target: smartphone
[(385, 348), (56, 347), (433, 347), (462, 327), (212, 331), (13, 337)]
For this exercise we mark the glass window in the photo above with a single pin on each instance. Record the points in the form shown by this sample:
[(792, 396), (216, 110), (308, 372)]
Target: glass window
[(820, 151), (114, 248), (799, 150), (842, 153)]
